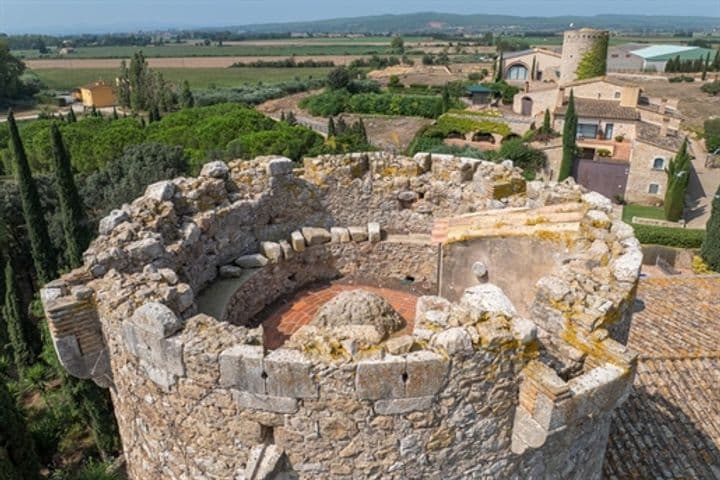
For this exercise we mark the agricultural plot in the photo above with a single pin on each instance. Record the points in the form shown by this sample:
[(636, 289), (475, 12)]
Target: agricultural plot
[(64, 79)]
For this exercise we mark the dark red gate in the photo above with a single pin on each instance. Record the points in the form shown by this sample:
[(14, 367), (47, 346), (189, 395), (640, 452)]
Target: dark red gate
[(606, 177)]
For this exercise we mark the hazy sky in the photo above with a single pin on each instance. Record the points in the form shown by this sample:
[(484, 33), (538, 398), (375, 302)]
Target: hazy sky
[(119, 15)]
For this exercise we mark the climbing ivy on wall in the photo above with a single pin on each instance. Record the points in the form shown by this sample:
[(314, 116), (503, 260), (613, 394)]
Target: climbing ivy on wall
[(594, 62)]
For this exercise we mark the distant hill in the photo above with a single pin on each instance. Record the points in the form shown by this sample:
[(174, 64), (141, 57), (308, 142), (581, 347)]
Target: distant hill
[(429, 21)]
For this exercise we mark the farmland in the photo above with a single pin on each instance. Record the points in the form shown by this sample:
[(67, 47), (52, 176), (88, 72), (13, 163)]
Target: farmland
[(64, 79), (240, 50)]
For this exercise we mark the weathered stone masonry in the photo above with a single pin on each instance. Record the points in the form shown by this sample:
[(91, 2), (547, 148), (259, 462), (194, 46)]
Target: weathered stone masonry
[(164, 314)]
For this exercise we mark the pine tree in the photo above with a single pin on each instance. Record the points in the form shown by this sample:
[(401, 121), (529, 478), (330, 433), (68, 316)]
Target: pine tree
[(331, 127), (95, 408), (71, 118), (569, 137), (710, 251), (18, 459), (77, 235), (678, 177), (186, 96), (546, 127), (17, 322), (40, 245)]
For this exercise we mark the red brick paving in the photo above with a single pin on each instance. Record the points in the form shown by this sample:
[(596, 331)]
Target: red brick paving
[(298, 309)]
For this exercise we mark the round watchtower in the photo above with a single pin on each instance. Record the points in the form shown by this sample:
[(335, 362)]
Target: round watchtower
[(584, 54)]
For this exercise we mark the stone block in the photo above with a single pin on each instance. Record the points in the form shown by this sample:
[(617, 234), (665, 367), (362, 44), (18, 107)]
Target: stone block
[(160, 191), (399, 345), (272, 251), (626, 267), (315, 236), (145, 250), (598, 201), (380, 379), (523, 330), (112, 220), (287, 249), (398, 406), (288, 374), (488, 298), (241, 367), (216, 169), (454, 340), (255, 260), (297, 241), (426, 372), (157, 319), (374, 233), (162, 378), (230, 271), (267, 403), (339, 235), (358, 234), (280, 166)]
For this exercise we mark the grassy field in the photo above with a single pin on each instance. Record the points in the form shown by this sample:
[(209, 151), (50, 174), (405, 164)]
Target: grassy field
[(184, 50), (556, 40), (64, 79), (630, 211)]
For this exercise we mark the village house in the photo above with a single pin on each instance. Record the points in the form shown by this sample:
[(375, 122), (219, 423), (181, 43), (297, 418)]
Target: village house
[(536, 64), (625, 139), (98, 94)]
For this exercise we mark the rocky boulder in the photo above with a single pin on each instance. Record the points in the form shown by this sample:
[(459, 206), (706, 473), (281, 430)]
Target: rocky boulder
[(359, 307)]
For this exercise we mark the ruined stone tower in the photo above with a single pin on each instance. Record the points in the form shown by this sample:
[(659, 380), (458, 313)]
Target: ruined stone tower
[(584, 54), (496, 350)]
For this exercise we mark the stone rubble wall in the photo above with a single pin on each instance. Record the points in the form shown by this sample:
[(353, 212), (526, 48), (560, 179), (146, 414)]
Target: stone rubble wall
[(469, 394)]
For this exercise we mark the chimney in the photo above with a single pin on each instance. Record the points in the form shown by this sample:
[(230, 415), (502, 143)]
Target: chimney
[(664, 127), (629, 96)]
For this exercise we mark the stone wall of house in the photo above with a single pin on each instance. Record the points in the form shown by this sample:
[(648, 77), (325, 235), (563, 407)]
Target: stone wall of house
[(475, 390), (642, 174)]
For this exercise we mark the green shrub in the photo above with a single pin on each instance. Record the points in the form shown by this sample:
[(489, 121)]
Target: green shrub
[(326, 104), (671, 237), (448, 124), (712, 88), (712, 134)]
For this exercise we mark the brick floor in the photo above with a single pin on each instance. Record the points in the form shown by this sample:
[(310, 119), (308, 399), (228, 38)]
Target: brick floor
[(670, 426), (297, 310)]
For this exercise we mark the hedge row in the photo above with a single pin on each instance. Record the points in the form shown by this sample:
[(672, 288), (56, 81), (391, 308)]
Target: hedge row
[(336, 101), (671, 237)]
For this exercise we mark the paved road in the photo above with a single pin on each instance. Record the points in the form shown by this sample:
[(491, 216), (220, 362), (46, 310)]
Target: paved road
[(702, 188)]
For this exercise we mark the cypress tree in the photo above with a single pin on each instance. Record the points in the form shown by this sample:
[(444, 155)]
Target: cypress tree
[(533, 70), (71, 118), (546, 128), (77, 235), (331, 127), (95, 408), (445, 98), (40, 245), (706, 65), (716, 61), (710, 251), (290, 118), (186, 97), (282, 116), (499, 71), (156, 113), (17, 322), (569, 136), (678, 177), (18, 459), (361, 130), (115, 114)]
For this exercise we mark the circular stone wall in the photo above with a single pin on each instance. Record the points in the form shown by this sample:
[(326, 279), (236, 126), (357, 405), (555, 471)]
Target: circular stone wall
[(167, 312)]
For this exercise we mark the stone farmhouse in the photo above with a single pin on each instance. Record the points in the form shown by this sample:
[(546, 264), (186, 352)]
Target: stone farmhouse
[(625, 139)]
